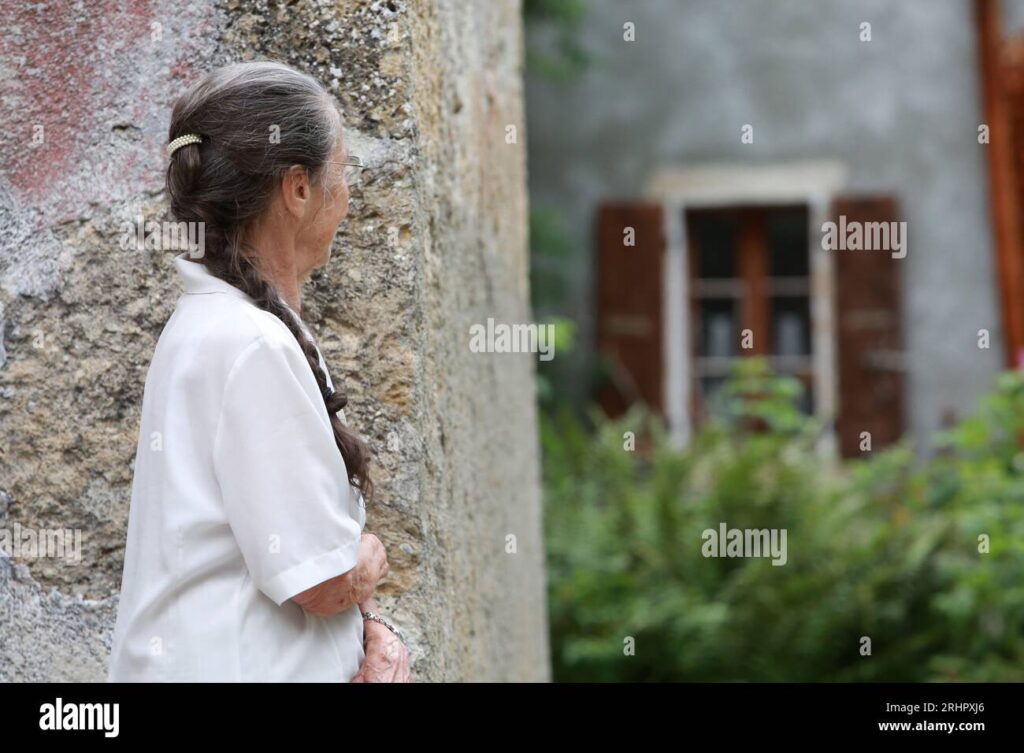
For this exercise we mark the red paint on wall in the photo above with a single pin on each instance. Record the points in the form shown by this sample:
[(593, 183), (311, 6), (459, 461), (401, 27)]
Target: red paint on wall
[(63, 65)]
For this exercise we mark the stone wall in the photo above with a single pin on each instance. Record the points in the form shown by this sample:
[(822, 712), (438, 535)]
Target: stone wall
[(435, 241)]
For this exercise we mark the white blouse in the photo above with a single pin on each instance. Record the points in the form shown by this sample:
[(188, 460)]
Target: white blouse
[(240, 500)]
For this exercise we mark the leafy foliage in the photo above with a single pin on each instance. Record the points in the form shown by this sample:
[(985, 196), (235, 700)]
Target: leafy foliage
[(553, 48), (885, 548), (551, 253)]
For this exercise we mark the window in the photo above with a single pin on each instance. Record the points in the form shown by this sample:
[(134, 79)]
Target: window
[(749, 294), (710, 251)]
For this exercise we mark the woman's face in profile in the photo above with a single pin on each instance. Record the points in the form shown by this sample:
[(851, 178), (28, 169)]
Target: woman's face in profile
[(331, 197)]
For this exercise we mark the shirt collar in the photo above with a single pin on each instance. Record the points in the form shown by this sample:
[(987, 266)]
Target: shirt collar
[(198, 280)]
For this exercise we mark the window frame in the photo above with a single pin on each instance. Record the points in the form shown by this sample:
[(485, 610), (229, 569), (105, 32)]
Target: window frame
[(753, 290), (678, 189)]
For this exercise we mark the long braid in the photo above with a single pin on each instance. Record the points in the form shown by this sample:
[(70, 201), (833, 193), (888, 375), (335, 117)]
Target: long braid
[(237, 270)]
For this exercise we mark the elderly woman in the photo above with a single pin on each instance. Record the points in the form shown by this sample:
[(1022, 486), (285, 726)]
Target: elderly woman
[(245, 558)]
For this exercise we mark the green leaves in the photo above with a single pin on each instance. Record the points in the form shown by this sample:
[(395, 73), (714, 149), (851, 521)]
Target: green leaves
[(886, 547)]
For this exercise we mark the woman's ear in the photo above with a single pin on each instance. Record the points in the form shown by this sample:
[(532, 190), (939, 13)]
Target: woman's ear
[(296, 191)]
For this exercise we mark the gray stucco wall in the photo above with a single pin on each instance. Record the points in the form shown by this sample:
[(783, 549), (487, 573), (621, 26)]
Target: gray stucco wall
[(435, 241), (901, 112)]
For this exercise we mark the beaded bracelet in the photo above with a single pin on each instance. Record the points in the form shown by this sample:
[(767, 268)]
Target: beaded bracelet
[(368, 615)]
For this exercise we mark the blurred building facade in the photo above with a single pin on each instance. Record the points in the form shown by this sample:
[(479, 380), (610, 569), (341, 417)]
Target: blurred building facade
[(697, 165)]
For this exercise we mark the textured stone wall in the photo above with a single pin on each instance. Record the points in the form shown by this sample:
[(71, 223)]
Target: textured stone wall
[(435, 241)]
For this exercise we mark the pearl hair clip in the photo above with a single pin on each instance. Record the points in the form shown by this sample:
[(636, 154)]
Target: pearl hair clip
[(188, 138)]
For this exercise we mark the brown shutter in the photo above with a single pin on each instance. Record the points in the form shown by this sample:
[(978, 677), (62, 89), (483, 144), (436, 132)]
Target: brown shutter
[(1002, 87), (869, 333), (629, 305), (1007, 205)]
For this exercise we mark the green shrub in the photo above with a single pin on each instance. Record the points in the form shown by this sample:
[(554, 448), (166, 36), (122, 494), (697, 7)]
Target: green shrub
[(885, 548)]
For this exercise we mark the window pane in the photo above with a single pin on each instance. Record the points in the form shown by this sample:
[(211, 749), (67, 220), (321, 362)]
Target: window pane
[(791, 326), (718, 327), (786, 231), (714, 234)]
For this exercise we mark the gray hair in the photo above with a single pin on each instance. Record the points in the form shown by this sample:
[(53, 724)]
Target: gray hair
[(256, 121)]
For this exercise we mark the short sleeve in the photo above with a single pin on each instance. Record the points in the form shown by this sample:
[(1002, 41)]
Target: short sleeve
[(284, 484)]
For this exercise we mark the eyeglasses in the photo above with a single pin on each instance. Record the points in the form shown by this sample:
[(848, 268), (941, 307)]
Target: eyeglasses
[(353, 168)]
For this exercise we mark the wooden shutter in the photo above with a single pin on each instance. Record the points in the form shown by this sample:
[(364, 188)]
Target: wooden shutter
[(1006, 203), (869, 333), (629, 305), (1002, 87)]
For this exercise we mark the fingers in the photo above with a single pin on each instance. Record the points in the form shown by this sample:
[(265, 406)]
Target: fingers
[(385, 566), (374, 555), (386, 661)]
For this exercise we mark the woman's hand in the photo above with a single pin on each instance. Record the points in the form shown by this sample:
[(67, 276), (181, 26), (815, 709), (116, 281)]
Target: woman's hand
[(373, 566), (387, 659)]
